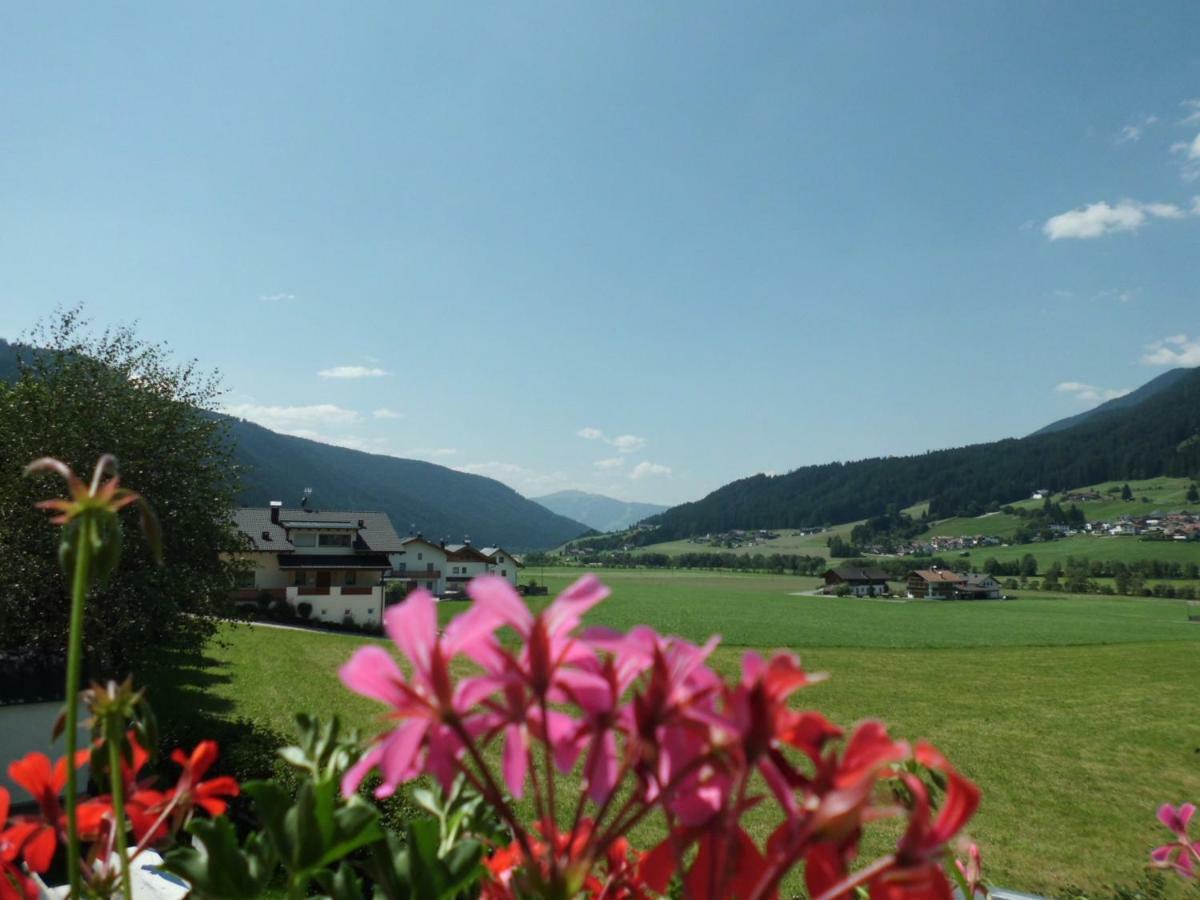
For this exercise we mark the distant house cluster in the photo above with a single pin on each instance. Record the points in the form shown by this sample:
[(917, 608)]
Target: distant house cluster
[(946, 544), (1183, 526), (342, 562), (926, 584)]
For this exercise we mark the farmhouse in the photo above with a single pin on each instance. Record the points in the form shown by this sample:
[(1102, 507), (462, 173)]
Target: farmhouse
[(332, 560), (419, 564), (979, 587), (464, 562), (934, 584), (503, 563), (861, 582)]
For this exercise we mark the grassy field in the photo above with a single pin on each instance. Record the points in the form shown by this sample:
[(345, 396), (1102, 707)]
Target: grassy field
[(1076, 716), (1154, 495), (1125, 549), (789, 541)]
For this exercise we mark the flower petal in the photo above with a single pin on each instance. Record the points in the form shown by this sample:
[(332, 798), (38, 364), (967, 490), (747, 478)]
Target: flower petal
[(412, 626), (372, 672)]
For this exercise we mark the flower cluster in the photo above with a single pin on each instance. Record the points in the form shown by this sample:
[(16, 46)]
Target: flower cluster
[(651, 729), (153, 816)]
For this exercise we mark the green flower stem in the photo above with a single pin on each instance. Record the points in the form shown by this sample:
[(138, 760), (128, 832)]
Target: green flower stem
[(113, 732), (83, 561)]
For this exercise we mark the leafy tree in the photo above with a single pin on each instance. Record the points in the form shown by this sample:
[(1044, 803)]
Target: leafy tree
[(1193, 494), (1126, 493), (1029, 566), (78, 397)]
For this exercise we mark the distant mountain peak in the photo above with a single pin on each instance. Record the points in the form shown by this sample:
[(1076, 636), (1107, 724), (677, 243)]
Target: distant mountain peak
[(596, 510)]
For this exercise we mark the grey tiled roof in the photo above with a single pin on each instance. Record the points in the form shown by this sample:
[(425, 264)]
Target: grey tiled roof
[(375, 535)]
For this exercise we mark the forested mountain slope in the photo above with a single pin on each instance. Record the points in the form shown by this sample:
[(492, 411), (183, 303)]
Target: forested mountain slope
[(439, 501), (1160, 435)]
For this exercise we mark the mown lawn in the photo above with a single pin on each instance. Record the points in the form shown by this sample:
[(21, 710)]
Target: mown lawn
[(1076, 716), (1125, 549)]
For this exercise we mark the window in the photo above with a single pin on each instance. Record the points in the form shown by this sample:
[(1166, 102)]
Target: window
[(419, 557), (428, 567), (402, 567), (304, 539), (429, 585), (351, 578), (499, 559), (504, 572), (301, 578), (334, 540)]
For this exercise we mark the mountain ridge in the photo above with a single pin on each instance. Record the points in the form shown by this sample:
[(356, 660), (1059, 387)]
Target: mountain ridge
[(416, 495), (1154, 386), (1159, 434)]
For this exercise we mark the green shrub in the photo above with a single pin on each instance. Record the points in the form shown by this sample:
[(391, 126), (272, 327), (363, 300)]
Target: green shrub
[(304, 609)]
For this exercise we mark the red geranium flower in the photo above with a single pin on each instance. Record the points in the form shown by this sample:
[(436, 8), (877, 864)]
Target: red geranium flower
[(38, 838), (13, 883)]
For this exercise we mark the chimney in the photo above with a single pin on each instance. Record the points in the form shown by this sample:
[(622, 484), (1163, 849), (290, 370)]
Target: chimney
[(362, 523), (442, 543), (276, 505)]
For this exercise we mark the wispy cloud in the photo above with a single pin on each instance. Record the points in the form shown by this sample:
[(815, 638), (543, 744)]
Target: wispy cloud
[(1089, 393), (351, 372), (1099, 219), (292, 418), (1175, 350), (277, 298), (384, 413), (518, 477), (1191, 111), (433, 453), (1135, 130), (649, 470), (613, 462), (1189, 158), (622, 443)]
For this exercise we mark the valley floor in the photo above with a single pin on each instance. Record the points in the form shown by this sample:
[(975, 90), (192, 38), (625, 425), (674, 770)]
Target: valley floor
[(1077, 716)]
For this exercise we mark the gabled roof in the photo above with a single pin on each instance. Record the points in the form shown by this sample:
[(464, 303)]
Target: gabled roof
[(413, 540), (462, 552), (373, 530), (490, 553), (859, 573), (944, 575)]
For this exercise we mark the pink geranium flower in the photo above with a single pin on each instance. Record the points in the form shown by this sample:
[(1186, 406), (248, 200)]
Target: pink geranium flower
[(433, 713), (1183, 853)]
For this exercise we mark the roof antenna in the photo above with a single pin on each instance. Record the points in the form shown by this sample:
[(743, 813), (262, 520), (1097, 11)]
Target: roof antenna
[(304, 499)]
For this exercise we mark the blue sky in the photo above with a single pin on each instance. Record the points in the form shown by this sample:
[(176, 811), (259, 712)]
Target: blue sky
[(637, 248)]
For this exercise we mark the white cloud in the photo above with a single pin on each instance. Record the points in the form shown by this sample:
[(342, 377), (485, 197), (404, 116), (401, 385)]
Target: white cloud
[(622, 443), (1175, 350), (1191, 111), (613, 462), (384, 413), (351, 372), (1135, 130), (277, 298), (1099, 219), (291, 418), (649, 470), (1089, 393), (1189, 153), (628, 443), (519, 478)]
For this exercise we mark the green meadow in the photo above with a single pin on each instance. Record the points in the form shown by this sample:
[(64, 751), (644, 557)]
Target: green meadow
[(1077, 716)]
